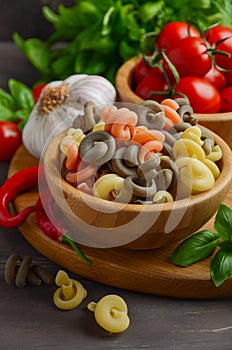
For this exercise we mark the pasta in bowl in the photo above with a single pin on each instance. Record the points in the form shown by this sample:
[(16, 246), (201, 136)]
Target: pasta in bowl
[(137, 176)]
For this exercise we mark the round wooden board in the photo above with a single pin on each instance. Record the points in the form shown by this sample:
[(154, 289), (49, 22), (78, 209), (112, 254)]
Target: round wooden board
[(142, 271)]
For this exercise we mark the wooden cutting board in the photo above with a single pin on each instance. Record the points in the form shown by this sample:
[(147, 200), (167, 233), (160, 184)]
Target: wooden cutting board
[(142, 271)]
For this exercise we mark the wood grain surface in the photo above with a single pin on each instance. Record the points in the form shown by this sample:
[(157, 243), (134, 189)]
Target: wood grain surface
[(144, 271)]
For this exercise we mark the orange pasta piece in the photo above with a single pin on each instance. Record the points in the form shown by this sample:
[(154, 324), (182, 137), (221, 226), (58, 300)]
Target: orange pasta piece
[(72, 156), (148, 149), (170, 103), (148, 135), (136, 129), (172, 114)]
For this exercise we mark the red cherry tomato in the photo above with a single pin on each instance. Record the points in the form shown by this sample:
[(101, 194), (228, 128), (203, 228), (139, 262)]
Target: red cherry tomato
[(228, 76), (142, 70), (152, 83), (10, 140), (226, 94), (173, 32), (203, 96), (216, 77), (223, 61), (217, 33), (37, 91), (190, 57)]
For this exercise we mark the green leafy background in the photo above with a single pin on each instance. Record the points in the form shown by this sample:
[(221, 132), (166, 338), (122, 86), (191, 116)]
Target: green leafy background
[(96, 37)]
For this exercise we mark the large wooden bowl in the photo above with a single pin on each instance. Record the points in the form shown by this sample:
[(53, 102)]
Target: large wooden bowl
[(220, 123), (101, 223)]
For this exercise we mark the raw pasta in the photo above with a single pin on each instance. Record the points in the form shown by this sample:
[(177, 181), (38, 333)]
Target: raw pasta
[(125, 158)]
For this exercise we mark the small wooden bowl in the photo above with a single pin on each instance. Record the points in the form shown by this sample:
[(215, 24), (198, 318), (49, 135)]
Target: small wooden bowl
[(104, 224), (220, 123)]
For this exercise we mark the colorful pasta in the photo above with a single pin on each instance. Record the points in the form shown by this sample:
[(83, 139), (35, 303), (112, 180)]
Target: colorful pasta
[(130, 155)]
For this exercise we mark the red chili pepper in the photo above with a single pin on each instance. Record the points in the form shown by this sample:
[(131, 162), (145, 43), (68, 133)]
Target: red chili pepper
[(49, 228), (21, 181)]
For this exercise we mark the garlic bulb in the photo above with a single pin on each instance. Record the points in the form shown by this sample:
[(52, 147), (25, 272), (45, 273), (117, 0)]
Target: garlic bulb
[(59, 104)]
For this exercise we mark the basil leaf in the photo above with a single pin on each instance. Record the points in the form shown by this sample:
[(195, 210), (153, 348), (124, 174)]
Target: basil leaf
[(223, 222), (18, 40), (6, 100), (195, 248), (21, 94), (221, 266), (6, 113), (22, 115)]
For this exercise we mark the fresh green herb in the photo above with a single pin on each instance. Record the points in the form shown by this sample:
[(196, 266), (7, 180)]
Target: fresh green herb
[(203, 244), (16, 105), (96, 37)]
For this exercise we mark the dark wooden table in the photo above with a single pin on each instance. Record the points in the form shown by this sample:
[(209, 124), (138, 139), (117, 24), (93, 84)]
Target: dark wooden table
[(29, 320)]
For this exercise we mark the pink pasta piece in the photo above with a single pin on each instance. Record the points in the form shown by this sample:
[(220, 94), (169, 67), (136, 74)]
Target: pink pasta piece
[(106, 112), (74, 177), (120, 123)]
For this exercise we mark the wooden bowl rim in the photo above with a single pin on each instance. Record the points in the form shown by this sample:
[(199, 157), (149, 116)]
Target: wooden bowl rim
[(51, 160), (123, 81)]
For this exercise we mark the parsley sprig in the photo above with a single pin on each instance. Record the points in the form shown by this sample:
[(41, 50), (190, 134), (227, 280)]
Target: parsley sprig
[(203, 244)]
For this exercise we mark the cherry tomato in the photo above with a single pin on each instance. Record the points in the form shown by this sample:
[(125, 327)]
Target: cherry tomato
[(216, 77), (37, 91), (223, 61), (226, 94), (10, 139), (228, 76), (152, 83), (217, 33), (142, 70), (203, 96), (190, 57), (173, 32)]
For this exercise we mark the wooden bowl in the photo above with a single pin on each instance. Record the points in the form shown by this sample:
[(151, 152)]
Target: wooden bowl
[(220, 123), (104, 224)]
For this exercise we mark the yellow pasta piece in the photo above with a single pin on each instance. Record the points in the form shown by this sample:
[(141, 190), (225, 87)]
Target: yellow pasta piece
[(162, 197), (215, 154), (99, 126), (110, 186), (77, 134), (70, 294), (73, 135), (213, 167), (111, 313), (193, 133), (188, 148), (194, 174)]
